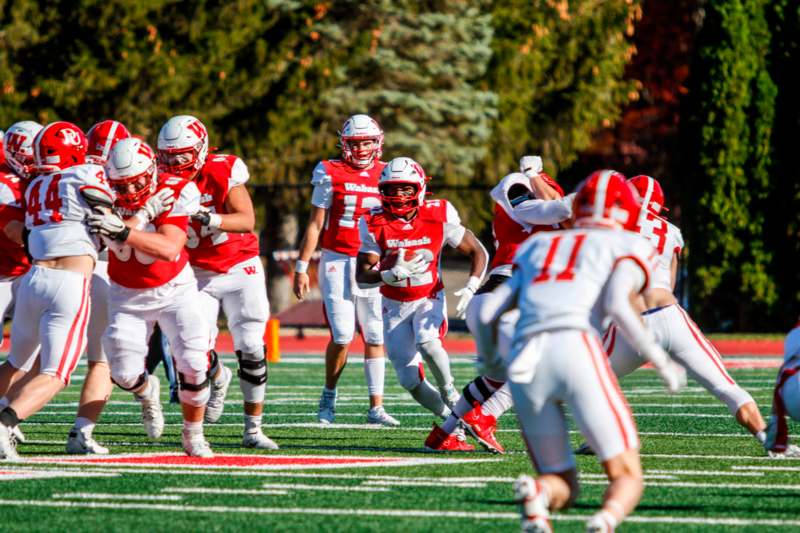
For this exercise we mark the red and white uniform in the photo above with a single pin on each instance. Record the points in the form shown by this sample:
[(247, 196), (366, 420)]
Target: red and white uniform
[(786, 396), (674, 330), (227, 266), (556, 355), (53, 306), (13, 261), (414, 310), (145, 290), (347, 193)]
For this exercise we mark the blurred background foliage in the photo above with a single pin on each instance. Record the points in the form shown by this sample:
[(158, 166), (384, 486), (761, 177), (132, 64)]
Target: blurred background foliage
[(698, 93)]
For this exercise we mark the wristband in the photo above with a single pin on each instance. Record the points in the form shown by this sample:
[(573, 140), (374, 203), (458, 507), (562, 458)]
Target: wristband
[(474, 283), (300, 267), (214, 221)]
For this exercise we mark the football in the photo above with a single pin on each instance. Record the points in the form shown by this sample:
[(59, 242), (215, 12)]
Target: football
[(390, 258)]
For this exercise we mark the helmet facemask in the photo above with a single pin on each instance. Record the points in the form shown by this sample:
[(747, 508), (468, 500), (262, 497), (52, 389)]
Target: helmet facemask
[(400, 198), (183, 162), (132, 192), (358, 157)]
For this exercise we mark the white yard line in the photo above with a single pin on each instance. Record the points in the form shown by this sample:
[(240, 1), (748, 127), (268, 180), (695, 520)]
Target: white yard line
[(706, 473), (698, 485), (724, 457), (107, 496), (769, 468), (417, 483), (412, 513)]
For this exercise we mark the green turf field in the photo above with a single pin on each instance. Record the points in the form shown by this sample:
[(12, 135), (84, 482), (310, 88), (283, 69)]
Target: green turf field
[(702, 471)]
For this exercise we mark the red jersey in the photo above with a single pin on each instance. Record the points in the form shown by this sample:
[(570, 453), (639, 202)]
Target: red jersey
[(347, 193), (437, 223), (509, 233), (137, 270), (214, 249), (13, 260)]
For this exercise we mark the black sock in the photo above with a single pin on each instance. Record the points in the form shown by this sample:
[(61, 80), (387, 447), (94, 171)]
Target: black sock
[(9, 418)]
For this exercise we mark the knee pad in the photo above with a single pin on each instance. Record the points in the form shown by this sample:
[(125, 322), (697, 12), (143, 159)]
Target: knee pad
[(410, 376), (253, 374), (128, 382), (193, 390)]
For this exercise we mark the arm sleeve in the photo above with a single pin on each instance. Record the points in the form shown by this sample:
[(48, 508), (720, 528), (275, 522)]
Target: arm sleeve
[(453, 230), (368, 243), (239, 174), (323, 188), (540, 212)]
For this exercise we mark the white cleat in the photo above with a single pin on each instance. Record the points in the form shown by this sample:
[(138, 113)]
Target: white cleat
[(79, 442), (17, 436), (327, 407), (152, 414), (792, 451), (259, 441), (378, 415), (8, 451), (195, 445), (216, 401), (534, 512)]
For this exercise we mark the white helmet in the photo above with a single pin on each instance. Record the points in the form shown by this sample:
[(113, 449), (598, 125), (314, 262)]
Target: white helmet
[(182, 146), (402, 171), (18, 146), (131, 172), (359, 128)]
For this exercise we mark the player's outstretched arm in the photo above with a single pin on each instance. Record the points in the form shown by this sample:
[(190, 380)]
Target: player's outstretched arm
[(316, 221), (493, 306), (471, 246), (164, 244)]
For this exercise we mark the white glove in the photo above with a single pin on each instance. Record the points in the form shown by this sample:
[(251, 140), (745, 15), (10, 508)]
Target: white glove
[(671, 373), (530, 165), (402, 269), (106, 223), (157, 204), (465, 296)]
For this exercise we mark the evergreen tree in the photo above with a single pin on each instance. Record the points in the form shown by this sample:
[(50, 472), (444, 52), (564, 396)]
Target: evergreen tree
[(732, 126)]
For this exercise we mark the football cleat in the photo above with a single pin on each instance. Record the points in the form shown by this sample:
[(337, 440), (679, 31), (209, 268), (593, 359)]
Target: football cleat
[(259, 441), (791, 451), (439, 441), (598, 523), (482, 427), (152, 415), (17, 436), (216, 401), (195, 445), (584, 449), (533, 505), (8, 451), (327, 407), (79, 442), (378, 415)]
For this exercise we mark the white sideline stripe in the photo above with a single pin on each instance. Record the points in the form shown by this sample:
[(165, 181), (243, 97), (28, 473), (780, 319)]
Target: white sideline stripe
[(416, 483), (706, 473), (278, 488), (35, 473), (696, 485), (726, 457), (107, 496), (414, 513), (201, 490)]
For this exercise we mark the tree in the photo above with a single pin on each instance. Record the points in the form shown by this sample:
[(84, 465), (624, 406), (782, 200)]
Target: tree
[(730, 140)]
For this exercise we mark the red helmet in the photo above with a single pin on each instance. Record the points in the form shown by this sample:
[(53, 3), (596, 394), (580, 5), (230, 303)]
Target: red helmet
[(402, 171), (606, 199), (57, 146), (650, 193), (102, 138), (131, 172), (2, 148)]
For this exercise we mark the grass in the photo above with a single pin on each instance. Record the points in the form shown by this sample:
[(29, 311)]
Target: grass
[(734, 490)]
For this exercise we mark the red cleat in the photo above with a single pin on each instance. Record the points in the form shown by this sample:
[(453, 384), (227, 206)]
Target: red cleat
[(439, 441), (483, 427)]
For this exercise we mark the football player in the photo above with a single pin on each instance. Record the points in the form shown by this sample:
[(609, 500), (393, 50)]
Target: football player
[(97, 384), (151, 281), (674, 329), (785, 399), (52, 308), (401, 246), (223, 251), (526, 203), (564, 284), (344, 190)]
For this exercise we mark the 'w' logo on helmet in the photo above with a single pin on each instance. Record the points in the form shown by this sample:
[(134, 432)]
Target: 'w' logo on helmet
[(14, 141), (198, 129)]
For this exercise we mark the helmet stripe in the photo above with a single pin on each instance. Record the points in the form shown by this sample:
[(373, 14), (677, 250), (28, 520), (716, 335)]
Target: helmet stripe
[(600, 194), (109, 139)]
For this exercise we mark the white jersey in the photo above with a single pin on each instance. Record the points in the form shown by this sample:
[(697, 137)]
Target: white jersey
[(56, 211), (560, 276), (791, 348), (668, 241)]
